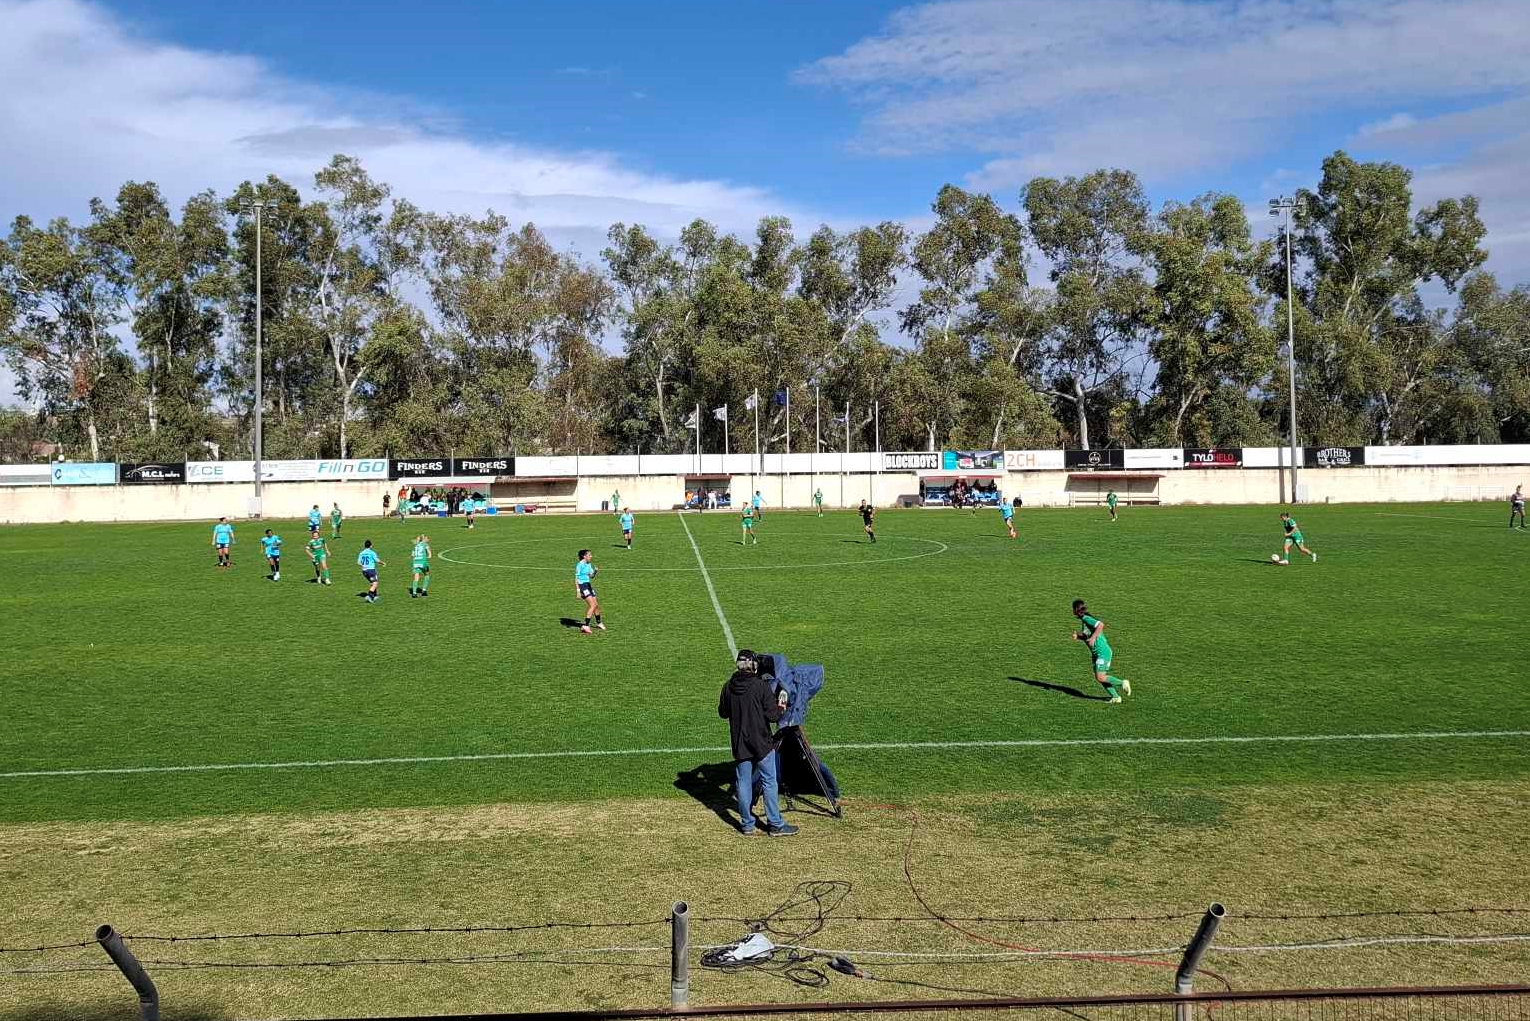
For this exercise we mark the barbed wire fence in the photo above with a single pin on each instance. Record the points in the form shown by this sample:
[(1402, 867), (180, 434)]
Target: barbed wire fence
[(809, 941)]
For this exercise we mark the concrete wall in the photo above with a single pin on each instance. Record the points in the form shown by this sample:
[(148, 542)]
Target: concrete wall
[(39, 504)]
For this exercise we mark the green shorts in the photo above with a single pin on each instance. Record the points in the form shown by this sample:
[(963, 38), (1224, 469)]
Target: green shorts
[(420, 567), (1296, 537), (748, 526), (1102, 663)]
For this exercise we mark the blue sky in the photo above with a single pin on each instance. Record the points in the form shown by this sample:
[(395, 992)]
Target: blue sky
[(574, 115)]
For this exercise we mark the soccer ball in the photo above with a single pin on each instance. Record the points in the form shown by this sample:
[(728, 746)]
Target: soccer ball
[(1274, 558)]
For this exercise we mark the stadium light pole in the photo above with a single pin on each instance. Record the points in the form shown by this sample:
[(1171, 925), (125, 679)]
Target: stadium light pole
[(258, 207), (1284, 207)]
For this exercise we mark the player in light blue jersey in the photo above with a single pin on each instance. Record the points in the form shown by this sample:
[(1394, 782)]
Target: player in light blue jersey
[(627, 520), (1008, 514), (584, 583), (222, 539), (271, 546), (368, 562), (758, 503), (315, 518)]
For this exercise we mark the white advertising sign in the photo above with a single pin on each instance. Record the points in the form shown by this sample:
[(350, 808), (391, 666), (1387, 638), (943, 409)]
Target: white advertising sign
[(366, 469)]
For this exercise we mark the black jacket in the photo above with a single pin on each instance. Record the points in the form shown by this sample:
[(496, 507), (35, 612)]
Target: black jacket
[(748, 703)]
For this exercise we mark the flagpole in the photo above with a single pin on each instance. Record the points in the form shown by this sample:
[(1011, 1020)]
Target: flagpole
[(876, 417), (842, 456), (759, 457), (788, 423)]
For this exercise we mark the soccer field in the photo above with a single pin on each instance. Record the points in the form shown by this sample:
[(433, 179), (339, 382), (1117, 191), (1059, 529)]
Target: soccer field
[(143, 683)]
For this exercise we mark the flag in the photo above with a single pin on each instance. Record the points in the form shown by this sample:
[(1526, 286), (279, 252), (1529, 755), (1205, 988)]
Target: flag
[(690, 420), (751, 402), (781, 398), (721, 414)]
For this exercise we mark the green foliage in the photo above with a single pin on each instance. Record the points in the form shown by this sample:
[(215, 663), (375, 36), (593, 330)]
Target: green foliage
[(389, 329)]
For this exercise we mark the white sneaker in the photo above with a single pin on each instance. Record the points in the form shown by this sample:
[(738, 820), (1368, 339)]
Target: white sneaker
[(601, 626), (1126, 686), (1314, 558), (1114, 701)]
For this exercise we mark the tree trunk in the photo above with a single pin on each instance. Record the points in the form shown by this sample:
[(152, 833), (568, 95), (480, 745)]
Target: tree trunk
[(658, 390), (929, 428), (153, 391), (345, 415), (1082, 411), (997, 426), (95, 438)]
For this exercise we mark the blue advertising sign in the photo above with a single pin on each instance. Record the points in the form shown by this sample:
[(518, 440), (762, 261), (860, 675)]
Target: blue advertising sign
[(68, 474)]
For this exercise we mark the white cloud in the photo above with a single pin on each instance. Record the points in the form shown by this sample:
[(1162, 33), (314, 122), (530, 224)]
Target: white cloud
[(991, 75), (1396, 122), (1177, 90), (87, 103)]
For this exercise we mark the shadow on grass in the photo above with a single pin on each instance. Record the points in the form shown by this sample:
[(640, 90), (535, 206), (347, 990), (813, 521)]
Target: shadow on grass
[(1252, 560), (1062, 689), (114, 1011), (570, 622), (712, 785)]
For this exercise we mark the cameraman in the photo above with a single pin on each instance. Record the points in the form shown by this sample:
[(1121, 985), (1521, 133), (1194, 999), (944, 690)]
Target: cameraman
[(750, 703)]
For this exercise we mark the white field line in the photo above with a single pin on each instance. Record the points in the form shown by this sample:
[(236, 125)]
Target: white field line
[(598, 753), (721, 618)]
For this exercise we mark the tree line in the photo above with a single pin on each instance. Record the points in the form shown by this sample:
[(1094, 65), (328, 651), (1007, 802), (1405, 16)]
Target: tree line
[(1084, 318)]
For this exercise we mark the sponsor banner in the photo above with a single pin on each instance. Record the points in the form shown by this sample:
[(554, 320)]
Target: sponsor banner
[(1333, 457), (1213, 457), (1155, 457), (84, 474), (1094, 460), (364, 469), (914, 461), (26, 475), (972, 460), (201, 472), (420, 468), (1034, 460), (159, 473), (483, 467)]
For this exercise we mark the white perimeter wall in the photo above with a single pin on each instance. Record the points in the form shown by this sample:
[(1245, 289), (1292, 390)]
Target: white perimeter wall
[(41, 504)]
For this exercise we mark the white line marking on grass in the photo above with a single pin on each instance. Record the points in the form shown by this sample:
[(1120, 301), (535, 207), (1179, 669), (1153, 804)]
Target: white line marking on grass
[(1474, 522), (721, 618), (446, 555), (600, 753)]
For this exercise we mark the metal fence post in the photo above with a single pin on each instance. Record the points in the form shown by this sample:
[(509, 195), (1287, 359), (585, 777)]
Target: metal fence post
[(122, 957), (1184, 978), (680, 954)]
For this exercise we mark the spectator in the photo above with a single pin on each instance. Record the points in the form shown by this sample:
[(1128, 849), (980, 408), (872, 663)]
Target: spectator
[(750, 703)]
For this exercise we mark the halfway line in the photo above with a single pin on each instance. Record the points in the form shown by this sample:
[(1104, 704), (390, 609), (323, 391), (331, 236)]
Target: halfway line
[(1438, 735), (723, 620)]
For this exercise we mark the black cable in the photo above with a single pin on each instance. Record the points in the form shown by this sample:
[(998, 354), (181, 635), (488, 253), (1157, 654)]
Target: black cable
[(45, 949), (1400, 913), (420, 930)]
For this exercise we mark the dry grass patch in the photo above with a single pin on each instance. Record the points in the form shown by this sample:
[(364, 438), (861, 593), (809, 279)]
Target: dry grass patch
[(1258, 850)]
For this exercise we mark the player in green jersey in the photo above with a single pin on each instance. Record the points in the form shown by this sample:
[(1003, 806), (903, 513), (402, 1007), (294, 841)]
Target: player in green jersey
[(818, 501), (1293, 538), (420, 560), (318, 555), (1110, 501), (1093, 635), (748, 522), (335, 520)]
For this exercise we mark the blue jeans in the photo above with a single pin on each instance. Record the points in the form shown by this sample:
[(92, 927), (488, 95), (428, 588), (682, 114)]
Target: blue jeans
[(743, 785)]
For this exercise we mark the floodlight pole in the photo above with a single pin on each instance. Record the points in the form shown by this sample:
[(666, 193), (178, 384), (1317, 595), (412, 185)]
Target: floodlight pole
[(258, 207), (1283, 207)]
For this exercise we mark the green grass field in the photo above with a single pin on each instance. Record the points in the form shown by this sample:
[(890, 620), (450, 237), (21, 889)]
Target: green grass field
[(127, 649), (984, 774)]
